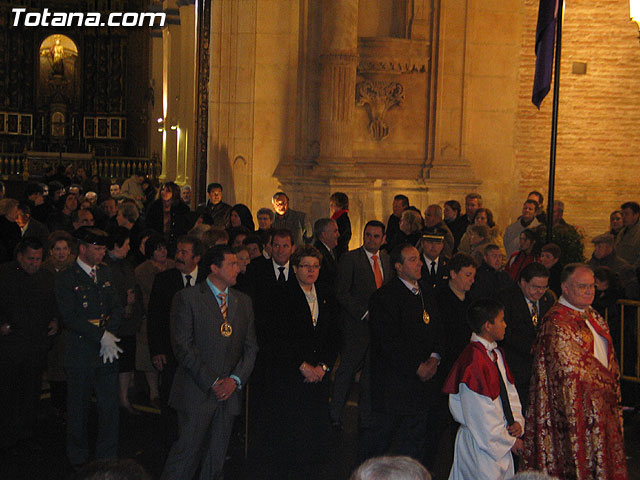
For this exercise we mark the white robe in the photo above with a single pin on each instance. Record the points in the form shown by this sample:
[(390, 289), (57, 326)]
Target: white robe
[(483, 444)]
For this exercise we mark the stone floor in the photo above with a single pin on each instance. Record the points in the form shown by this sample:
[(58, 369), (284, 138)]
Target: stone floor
[(140, 439)]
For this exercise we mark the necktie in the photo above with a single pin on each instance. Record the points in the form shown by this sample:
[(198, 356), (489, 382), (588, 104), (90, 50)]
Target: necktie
[(93, 275), (504, 398), (433, 270), (377, 273), (187, 282), (223, 304), (281, 277), (534, 314)]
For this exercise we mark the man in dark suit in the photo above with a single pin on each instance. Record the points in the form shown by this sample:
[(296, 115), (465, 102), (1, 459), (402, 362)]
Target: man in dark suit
[(406, 344), (166, 284), (326, 233), (360, 273), (266, 275), (524, 306), (490, 277), (28, 313), (435, 270), (29, 226), (214, 340), (91, 311)]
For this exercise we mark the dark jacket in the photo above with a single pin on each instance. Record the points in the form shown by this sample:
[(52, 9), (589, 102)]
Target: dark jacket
[(165, 285), (179, 224), (27, 304), (520, 334), (400, 342)]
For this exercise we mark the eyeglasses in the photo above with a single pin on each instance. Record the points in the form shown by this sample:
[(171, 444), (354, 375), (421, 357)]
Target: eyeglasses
[(306, 266), (584, 287)]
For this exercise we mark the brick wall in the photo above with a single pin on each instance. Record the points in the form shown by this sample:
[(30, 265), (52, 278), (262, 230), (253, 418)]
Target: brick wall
[(599, 114)]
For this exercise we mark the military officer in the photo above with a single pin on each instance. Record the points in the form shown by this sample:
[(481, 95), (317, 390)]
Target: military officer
[(91, 313)]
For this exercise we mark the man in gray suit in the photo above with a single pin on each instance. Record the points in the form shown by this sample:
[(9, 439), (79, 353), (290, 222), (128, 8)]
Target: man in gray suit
[(360, 273), (214, 341)]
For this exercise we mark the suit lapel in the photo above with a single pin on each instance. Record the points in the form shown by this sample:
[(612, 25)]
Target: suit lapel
[(211, 303), (524, 305), (232, 307), (366, 265)]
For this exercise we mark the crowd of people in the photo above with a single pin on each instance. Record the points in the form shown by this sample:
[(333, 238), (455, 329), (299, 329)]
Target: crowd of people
[(472, 345)]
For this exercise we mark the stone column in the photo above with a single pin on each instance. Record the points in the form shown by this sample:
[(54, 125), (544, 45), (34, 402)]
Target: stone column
[(338, 59)]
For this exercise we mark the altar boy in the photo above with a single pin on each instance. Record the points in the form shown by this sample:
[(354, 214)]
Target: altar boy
[(483, 399)]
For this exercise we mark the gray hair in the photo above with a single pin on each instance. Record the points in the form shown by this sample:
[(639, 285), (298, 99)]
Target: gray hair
[(391, 468), (321, 225)]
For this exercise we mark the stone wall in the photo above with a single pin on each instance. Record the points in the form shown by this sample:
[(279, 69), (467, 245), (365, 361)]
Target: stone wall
[(485, 133)]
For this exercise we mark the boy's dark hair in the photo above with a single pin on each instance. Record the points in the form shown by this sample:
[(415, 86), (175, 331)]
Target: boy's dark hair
[(482, 311), (461, 260)]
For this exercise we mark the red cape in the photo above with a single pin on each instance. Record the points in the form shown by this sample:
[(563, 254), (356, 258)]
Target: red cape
[(477, 371)]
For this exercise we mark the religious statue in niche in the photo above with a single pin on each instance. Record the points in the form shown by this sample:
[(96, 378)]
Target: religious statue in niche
[(58, 63), (378, 97), (58, 124), (58, 50)]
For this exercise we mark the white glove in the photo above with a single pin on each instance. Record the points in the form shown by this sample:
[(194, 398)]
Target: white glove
[(108, 348)]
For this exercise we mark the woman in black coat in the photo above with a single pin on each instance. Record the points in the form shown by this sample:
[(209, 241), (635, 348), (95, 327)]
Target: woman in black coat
[(304, 336), (169, 215)]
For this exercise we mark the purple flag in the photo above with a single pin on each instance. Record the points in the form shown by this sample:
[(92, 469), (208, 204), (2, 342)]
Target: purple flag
[(545, 42)]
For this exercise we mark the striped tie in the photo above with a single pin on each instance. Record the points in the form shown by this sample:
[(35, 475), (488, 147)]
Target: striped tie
[(93, 275), (223, 304)]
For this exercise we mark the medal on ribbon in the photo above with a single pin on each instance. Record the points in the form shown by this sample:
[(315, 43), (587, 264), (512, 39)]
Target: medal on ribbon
[(225, 329)]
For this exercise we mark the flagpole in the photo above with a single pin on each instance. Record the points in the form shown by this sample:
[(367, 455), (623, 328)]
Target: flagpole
[(554, 121)]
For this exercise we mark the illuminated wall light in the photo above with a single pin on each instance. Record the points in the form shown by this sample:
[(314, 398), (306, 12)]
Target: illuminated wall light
[(174, 127), (634, 11)]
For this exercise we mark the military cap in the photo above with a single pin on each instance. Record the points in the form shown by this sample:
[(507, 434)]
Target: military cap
[(434, 234), (603, 238), (91, 236)]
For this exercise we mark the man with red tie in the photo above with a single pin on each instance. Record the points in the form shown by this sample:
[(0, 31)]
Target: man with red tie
[(360, 273)]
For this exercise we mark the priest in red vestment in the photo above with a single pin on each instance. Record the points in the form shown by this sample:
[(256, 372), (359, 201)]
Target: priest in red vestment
[(574, 422)]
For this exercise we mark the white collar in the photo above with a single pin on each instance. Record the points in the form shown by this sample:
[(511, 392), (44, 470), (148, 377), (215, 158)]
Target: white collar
[(410, 285), (565, 302), (87, 268), (490, 346)]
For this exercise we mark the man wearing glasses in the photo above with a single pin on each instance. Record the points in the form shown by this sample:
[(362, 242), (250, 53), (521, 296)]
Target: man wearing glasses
[(574, 423), (525, 303)]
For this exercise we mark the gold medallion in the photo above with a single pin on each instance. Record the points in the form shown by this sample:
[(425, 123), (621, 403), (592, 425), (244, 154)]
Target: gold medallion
[(225, 329), (425, 317)]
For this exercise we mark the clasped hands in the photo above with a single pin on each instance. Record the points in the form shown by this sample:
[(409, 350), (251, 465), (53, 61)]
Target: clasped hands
[(515, 430), (224, 387), (311, 374), (426, 370)]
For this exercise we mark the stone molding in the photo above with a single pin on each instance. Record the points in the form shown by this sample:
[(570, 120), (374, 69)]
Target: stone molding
[(377, 97)]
